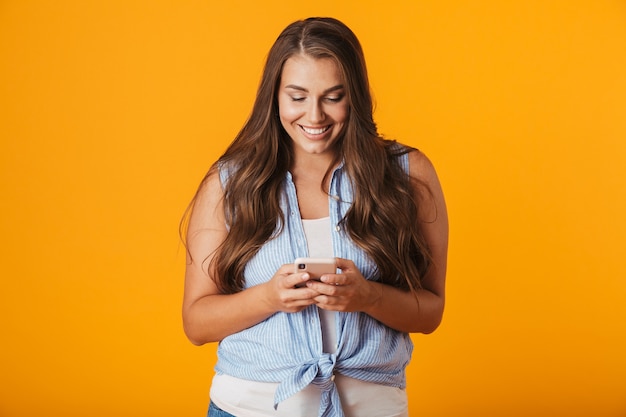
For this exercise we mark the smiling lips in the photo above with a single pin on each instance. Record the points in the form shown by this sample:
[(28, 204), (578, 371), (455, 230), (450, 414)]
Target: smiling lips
[(315, 131)]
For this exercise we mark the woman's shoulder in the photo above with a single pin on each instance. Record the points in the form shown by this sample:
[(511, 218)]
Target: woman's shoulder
[(211, 184), (226, 169), (410, 159), (415, 161), (395, 148), (421, 168)]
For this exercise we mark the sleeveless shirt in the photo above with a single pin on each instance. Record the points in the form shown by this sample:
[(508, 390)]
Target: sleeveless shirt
[(287, 347)]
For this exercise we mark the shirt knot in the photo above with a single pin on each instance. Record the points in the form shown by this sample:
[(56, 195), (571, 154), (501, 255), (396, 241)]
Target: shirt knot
[(319, 372)]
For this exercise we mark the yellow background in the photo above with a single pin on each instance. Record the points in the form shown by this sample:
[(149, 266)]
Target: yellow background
[(111, 112)]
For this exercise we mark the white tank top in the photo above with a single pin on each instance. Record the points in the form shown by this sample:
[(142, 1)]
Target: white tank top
[(320, 244)]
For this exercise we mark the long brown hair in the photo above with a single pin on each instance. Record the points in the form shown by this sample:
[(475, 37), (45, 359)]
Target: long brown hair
[(382, 218)]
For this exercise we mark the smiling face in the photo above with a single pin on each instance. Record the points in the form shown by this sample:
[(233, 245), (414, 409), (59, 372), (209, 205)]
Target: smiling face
[(312, 104)]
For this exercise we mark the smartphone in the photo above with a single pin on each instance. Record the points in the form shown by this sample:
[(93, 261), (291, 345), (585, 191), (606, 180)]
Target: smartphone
[(315, 267)]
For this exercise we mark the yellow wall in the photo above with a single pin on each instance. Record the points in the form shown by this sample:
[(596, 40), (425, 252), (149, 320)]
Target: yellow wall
[(111, 111)]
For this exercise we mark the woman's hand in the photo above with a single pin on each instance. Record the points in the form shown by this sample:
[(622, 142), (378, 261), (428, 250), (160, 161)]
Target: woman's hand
[(286, 291), (347, 292)]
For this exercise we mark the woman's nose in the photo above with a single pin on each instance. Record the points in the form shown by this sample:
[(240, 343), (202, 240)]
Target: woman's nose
[(316, 112)]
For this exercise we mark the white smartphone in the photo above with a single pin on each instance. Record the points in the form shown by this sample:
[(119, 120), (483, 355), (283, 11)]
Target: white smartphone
[(315, 267)]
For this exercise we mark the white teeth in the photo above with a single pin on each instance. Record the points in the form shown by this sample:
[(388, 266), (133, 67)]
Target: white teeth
[(315, 131)]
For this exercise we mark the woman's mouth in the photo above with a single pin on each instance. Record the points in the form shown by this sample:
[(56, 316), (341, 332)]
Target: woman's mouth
[(315, 131)]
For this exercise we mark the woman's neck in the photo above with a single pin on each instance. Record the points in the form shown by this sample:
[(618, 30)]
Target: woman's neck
[(311, 186), (308, 166)]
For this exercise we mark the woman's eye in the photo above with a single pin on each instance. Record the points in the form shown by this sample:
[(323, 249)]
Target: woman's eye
[(334, 99)]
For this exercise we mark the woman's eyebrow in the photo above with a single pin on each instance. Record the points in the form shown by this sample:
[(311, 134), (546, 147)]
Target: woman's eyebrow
[(328, 90)]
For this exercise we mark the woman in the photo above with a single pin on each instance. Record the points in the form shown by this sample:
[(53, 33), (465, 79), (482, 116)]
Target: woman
[(308, 175)]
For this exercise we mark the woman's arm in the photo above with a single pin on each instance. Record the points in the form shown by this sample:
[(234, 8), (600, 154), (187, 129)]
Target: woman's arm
[(208, 315), (398, 309)]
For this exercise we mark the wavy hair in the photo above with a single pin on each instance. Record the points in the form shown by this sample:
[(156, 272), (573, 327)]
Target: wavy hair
[(382, 217)]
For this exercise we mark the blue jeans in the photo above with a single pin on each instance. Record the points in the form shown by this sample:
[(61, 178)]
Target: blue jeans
[(215, 411)]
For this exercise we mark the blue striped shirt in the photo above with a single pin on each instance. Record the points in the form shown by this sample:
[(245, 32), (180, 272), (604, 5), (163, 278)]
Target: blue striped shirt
[(287, 347)]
